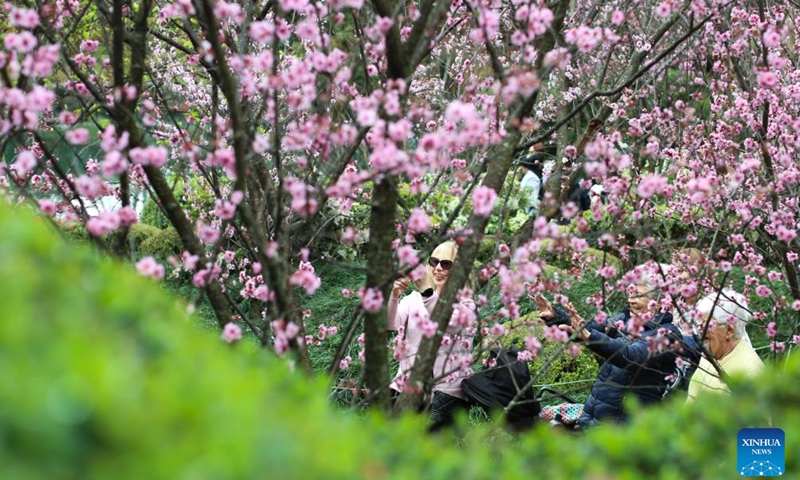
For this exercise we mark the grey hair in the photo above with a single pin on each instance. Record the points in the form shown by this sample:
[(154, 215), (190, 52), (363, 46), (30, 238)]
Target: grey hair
[(727, 308), (651, 277)]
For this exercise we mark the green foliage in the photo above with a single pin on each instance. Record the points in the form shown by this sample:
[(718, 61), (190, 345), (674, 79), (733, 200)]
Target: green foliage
[(782, 314), (558, 254), (554, 366), (141, 232), (327, 306), (152, 214), (76, 232), (328, 240), (161, 244), (185, 187), (71, 158), (105, 376), (486, 249)]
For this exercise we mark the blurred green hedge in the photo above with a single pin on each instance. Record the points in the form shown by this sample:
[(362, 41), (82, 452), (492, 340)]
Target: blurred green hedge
[(105, 376)]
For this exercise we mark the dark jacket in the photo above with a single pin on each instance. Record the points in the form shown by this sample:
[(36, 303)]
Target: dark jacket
[(629, 367)]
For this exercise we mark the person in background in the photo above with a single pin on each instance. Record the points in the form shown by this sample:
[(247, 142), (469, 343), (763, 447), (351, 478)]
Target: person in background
[(722, 330), (410, 317), (634, 363), (580, 196), (532, 185)]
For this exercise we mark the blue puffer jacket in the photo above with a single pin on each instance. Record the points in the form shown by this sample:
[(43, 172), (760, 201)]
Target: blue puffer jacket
[(629, 367)]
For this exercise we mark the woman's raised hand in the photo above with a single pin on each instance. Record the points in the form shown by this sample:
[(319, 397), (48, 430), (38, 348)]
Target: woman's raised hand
[(577, 323), (544, 305), (400, 285)]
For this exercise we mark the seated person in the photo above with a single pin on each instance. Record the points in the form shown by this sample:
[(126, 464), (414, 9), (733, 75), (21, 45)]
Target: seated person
[(634, 363), (725, 316), (410, 318)]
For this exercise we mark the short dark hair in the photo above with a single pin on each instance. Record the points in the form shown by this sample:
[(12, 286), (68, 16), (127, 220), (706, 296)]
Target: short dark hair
[(533, 161)]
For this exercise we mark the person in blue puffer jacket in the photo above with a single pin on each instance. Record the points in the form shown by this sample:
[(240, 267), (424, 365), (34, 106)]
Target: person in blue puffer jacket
[(639, 364)]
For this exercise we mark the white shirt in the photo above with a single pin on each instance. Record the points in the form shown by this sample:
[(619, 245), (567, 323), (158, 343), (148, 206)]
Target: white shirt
[(529, 188)]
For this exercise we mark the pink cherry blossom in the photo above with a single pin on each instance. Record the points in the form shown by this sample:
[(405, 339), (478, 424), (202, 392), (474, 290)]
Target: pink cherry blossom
[(771, 330), (224, 209), (651, 184), (127, 216), (408, 255), (772, 38), (103, 223), (371, 299), (89, 46), (26, 162), (150, 268), (497, 330), (90, 187), (153, 156), (525, 356), (533, 345), (24, 18), (483, 200), (47, 207), (607, 271), (663, 9), (777, 347), (231, 332), (579, 244), (767, 79), (344, 363), (785, 234), (77, 136), (418, 222), (763, 291), (306, 278), (302, 200), (585, 38), (428, 327), (555, 334), (296, 5), (189, 261), (207, 233)]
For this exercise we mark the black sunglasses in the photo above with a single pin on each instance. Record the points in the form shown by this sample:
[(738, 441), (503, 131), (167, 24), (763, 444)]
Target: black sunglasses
[(446, 264)]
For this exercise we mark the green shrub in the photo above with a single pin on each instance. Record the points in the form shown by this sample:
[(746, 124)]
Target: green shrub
[(105, 376), (187, 186), (75, 232), (486, 249), (554, 366), (589, 260), (141, 232), (162, 244)]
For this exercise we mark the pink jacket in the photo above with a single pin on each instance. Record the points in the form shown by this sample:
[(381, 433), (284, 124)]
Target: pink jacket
[(411, 317)]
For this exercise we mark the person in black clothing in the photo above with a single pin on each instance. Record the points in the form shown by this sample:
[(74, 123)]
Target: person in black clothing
[(634, 363)]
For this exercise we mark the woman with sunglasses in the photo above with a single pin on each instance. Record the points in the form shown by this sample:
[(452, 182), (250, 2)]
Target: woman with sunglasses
[(410, 317)]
